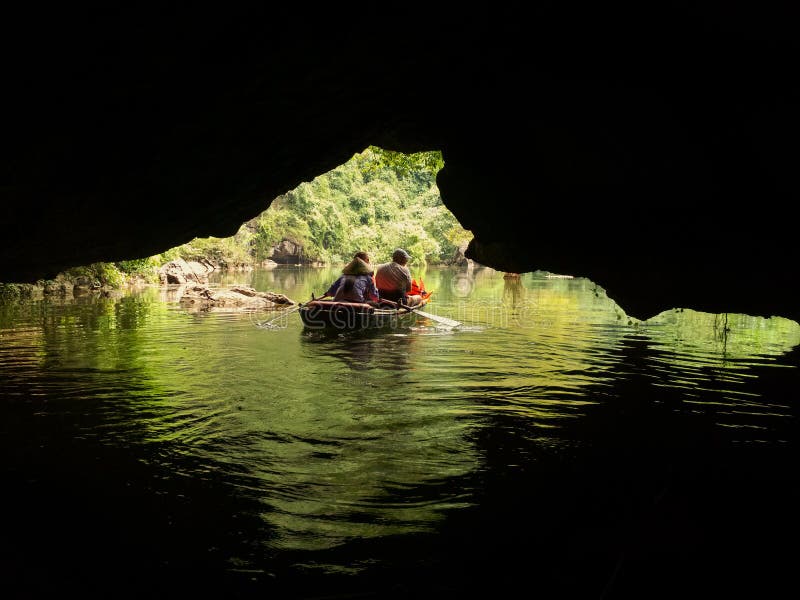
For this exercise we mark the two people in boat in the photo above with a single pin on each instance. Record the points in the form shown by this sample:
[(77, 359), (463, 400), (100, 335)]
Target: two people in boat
[(390, 281)]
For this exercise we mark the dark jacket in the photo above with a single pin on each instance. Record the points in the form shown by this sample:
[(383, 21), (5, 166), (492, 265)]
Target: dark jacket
[(355, 284)]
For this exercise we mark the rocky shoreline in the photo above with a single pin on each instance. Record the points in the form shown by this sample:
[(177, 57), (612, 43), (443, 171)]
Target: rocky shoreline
[(237, 297), (187, 282)]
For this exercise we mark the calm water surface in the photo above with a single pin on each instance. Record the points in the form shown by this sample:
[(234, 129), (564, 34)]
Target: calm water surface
[(550, 442)]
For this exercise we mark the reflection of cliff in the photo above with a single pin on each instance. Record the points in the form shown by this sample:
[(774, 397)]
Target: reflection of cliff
[(23, 347), (729, 335), (90, 332), (513, 290)]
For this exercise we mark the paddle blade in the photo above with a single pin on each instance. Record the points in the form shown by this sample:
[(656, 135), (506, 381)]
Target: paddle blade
[(438, 319)]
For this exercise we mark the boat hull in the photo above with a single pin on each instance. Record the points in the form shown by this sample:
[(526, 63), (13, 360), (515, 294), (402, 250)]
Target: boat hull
[(347, 316)]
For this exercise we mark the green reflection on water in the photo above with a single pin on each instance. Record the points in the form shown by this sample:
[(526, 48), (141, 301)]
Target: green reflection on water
[(727, 336), (350, 437)]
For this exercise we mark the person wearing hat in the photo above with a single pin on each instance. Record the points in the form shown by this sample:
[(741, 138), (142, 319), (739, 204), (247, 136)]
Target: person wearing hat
[(355, 283), (394, 279)]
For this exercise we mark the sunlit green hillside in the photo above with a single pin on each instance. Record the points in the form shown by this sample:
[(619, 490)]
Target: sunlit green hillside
[(377, 201)]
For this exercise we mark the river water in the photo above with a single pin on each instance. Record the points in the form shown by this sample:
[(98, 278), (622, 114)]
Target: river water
[(550, 443)]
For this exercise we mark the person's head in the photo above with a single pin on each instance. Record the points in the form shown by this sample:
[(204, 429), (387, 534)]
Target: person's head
[(363, 256), (400, 256)]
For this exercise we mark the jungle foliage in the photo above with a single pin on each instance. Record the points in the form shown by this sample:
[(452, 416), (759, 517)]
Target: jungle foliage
[(377, 201)]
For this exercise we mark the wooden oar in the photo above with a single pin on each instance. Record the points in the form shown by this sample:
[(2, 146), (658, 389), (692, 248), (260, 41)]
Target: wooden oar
[(437, 318), (284, 313)]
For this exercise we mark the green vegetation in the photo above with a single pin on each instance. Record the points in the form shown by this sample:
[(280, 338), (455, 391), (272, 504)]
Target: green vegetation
[(111, 275), (377, 201), (15, 291), (730, 336), (226, 252)]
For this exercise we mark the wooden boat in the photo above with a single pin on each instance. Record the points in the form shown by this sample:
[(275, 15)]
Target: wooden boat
[(328, 314)]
